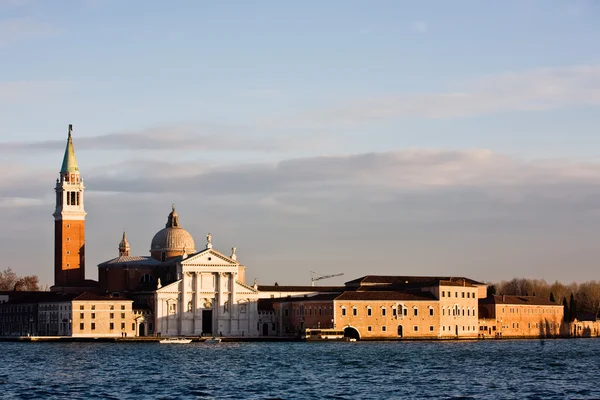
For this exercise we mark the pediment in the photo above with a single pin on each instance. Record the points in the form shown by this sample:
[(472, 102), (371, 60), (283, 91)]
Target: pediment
[(171, 287), (209, 257)]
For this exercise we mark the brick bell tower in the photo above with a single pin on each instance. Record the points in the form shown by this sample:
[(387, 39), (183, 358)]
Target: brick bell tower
[(69, 223)]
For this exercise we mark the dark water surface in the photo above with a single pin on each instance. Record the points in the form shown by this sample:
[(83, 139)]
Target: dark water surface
[(552, 369)]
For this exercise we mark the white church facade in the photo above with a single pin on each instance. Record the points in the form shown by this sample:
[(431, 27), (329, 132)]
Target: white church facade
[(209, 297)]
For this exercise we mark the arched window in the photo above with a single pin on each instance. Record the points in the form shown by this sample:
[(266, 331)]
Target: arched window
[(146, 278)]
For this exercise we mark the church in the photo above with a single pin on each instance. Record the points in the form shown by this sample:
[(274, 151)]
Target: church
[(188, 291), (176, 290)]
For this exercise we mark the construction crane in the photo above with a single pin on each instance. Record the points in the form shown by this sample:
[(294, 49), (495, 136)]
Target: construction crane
[(319, 277)]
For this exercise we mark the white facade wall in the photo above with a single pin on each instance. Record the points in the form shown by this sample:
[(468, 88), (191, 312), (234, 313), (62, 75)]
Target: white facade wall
[(207, 300)]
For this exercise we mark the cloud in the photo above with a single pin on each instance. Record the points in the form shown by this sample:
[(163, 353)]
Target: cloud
[(534, 90), (420, 26), (20, 92), (432, 211), (180, 136), (25, 28), (336, 176)]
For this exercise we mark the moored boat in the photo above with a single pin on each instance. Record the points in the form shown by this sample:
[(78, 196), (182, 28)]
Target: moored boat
[(213, 340), (176, 340)]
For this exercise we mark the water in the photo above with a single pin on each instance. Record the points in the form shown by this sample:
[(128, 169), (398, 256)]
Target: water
[(552, 369)]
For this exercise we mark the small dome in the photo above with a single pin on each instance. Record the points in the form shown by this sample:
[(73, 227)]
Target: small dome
[(172, 238)]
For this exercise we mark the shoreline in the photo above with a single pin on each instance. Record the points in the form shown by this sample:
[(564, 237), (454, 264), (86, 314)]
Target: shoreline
[(196, 339)]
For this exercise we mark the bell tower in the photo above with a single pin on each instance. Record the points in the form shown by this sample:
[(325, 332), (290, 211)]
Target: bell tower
[(69, 223)]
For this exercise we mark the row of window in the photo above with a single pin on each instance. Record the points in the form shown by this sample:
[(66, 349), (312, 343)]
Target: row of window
[(93, 307), (93, 315), (53, 307), (469, 295), (400, 310), (111, 326), (533, 310), (431, 328), (459, 312)]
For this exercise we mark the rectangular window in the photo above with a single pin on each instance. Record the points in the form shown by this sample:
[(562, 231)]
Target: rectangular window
[(369, 328), (431, 312), (343, 312), (81, 315), (456, 294), (81, 307), (383, 312), (122, 325), (383, 328), (355, 311), (443, 293), (468, 295), (123, 315), (416, 328), (93, 326), (369, 311), (93, 307), (405, 311), (133, 326), (81, 326), (122, 307), (394, 312), (93, 315), (430, 328), (463, 295), (415, 312), (112, 307), (111, 326), (112, 315)]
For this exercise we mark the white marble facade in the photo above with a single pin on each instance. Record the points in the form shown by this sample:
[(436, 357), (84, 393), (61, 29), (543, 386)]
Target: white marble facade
[(209, 298)]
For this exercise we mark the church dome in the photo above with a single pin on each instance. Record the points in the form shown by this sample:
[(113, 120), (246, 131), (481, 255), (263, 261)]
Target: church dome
[(172, 240)]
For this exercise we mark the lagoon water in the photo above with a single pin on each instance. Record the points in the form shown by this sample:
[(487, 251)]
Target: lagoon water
[(534, 369)]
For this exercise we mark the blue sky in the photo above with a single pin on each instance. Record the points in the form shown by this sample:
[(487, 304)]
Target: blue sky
[(193, 90)]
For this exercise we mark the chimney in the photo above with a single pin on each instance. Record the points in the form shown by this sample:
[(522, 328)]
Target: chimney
[(503, 298)]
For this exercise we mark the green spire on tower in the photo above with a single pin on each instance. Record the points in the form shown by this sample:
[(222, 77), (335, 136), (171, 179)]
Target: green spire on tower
[(69, 161)]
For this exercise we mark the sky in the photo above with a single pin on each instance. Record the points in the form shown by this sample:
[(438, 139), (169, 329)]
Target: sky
[(357, 137)]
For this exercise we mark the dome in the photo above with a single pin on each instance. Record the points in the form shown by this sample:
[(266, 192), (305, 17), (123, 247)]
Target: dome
[(172, 238)]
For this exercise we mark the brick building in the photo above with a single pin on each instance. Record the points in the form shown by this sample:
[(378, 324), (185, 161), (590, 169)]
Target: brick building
[(520, 316)]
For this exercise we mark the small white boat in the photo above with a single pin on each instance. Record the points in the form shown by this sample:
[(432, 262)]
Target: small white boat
[(176, 340), (213, 340)]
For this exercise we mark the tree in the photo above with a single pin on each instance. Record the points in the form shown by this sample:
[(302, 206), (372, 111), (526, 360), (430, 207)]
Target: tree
[(491, 290), (28, 283), (572, 307), (567, 314), (552, 299), (10, 281)]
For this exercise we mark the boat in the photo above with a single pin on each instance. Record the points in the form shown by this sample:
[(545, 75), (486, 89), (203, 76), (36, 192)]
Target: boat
[(323, 334), (176, 340), (213, 340)]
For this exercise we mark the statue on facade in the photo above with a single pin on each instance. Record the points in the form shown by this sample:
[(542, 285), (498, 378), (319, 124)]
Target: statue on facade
[(233, 255), (209, 241), (158, 284)]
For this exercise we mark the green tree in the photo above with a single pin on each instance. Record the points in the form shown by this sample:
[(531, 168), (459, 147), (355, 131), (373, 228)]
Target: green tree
[(567, 314), (552, 299), (572, 308)]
